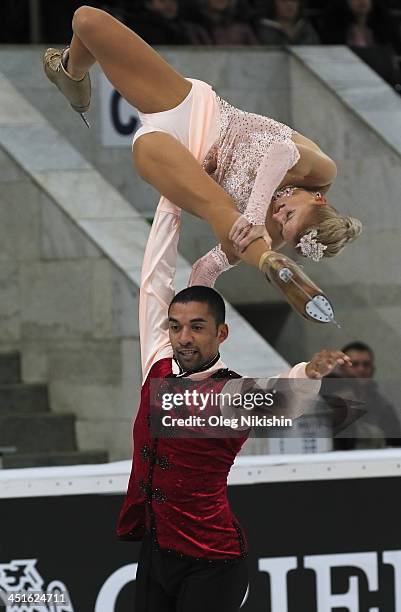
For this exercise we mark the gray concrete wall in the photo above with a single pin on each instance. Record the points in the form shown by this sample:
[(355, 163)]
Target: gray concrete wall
[(69, 311), (356, 118)]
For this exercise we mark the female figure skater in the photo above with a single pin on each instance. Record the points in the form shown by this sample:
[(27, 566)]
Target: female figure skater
[(258, 183)]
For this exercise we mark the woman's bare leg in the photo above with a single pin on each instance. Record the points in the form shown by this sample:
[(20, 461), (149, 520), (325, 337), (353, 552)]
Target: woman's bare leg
[(147, 82), (141, 76), (165, 163)]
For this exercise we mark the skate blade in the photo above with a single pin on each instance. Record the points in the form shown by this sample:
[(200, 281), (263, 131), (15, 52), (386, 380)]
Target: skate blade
[(84, 119), (320, 309)]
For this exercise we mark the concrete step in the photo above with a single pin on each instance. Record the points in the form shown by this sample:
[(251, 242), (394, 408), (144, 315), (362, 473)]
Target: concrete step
[(38, 433), (23, 398), (56, 458), (10, 368)]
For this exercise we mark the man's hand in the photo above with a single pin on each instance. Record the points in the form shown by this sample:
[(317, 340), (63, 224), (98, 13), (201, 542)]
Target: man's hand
[(324, 362), (243, 233)]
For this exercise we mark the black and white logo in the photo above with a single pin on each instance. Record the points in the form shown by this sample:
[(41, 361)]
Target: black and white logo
[(22, 589)]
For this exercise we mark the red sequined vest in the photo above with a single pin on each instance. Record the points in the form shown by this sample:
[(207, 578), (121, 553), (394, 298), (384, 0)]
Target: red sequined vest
[(177, 489)]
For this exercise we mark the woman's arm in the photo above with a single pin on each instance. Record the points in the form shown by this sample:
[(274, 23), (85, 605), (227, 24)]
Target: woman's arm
[(315, 168), (275, 165)]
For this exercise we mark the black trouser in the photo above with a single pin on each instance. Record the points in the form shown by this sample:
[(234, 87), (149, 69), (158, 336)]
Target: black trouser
[(167, 583)]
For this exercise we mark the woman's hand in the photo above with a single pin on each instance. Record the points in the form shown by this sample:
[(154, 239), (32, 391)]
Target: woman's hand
[(243, 233)]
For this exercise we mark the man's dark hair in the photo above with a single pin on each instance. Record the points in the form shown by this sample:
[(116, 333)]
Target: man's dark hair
[(205, 295), (357, 346)]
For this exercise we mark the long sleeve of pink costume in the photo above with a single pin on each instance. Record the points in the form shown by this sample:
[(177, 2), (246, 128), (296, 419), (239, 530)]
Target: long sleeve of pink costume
[(304, 389), (157, 289), (278, 159), (301, 392), (208, 268)]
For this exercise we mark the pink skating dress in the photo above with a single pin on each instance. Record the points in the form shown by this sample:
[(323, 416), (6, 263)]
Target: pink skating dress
[(247, 154)]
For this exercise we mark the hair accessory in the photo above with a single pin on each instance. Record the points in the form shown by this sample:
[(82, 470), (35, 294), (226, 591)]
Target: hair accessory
[(310, 247), (286, 192)]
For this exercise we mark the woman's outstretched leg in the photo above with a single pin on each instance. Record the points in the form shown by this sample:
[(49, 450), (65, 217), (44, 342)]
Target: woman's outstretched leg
[(147, 82), (165, 163), (141, 76)]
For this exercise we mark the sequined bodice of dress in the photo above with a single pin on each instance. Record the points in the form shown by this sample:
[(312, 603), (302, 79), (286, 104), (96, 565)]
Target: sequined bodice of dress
[(250, 159)]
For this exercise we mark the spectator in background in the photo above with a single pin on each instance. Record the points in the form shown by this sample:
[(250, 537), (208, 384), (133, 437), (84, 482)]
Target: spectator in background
[(223, 23), (365, 27), (56, 19), (160, 23), (284, 24), (362, 357), (357, 23), (381, 424)]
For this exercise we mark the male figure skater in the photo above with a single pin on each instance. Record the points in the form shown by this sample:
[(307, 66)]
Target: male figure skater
[(193, 551)]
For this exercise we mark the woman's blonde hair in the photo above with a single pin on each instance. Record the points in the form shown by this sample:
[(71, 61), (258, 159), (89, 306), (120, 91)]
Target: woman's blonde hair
[(333, 229)]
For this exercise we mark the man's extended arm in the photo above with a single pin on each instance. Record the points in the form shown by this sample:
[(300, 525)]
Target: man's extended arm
[(301, 392), (305, 378), (157, 290)]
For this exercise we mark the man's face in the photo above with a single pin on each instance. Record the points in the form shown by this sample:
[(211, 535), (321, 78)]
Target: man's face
[(362, 365), (194, 335), (287, 10)]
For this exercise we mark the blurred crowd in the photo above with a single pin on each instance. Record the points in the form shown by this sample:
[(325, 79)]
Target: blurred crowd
[(363, 416), (372, 28)]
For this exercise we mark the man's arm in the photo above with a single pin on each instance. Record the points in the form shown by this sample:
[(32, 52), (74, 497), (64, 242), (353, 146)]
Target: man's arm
[(305, 382), (306, 378), (157, 290), (321, 364)]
